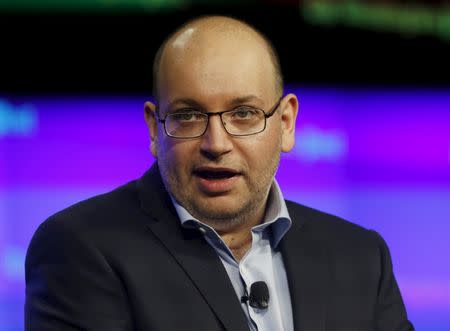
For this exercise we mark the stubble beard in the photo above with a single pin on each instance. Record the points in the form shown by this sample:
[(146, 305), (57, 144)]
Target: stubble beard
[(218, 219)]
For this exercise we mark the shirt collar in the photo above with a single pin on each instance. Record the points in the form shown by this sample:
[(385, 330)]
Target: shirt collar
[(276, 217)]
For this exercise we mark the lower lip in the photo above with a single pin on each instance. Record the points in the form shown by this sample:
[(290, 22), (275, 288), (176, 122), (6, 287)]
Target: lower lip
[(216, 186)]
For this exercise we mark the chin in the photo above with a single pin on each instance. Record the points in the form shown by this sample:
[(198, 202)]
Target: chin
[(217, 211), (219, 214)]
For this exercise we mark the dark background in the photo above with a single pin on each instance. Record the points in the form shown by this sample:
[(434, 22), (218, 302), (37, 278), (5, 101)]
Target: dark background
[(65, 52)]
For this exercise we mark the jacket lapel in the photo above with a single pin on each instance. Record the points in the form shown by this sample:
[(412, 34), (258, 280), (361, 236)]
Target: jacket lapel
[(194, 255), (306, 265)]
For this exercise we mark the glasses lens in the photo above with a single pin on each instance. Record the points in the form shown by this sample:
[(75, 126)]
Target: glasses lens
[(244, 121), (186, 124)]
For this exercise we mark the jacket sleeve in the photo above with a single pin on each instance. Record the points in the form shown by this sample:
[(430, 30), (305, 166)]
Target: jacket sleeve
[(70, 285), (390, 311)]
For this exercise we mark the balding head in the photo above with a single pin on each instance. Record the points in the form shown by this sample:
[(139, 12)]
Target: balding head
[(209, 36)]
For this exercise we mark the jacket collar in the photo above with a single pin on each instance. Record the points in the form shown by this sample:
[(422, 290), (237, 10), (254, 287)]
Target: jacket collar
[(306, 262), (194, 255)]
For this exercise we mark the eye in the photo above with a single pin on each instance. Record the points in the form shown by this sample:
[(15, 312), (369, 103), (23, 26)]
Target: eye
[(187, 116), (244, 113)]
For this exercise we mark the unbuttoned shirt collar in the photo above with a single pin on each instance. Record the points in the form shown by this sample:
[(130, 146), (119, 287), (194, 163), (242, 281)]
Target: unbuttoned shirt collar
[(275, 224)]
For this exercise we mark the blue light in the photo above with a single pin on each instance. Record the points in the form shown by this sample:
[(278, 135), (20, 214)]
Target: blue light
[(13, 263), (315, 144), (17, 120)]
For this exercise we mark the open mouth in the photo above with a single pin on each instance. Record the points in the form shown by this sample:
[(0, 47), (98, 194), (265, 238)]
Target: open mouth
[(215, 174)]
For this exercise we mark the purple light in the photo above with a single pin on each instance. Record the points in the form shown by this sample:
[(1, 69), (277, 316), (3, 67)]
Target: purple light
[(378, 157)]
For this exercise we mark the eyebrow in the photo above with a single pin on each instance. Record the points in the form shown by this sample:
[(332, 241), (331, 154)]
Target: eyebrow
[(193, 103), (185, 101)]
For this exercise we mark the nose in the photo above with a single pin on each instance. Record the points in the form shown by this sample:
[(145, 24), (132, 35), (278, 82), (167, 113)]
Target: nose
[(216, 141)]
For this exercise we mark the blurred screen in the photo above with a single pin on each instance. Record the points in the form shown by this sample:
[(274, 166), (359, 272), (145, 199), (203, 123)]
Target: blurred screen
[(408, 18), (378, 157), (107, 6)]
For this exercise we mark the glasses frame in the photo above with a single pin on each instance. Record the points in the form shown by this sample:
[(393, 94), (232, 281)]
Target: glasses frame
[(209, 114)]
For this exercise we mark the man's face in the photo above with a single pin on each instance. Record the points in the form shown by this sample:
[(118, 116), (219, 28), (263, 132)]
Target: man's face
[(219, 178)]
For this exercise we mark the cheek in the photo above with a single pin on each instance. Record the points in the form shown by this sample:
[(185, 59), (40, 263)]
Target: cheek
[(176, 154), (260, 152), (270, 138)]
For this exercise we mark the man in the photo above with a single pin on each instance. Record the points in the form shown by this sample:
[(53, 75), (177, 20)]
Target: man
[(204, 240)]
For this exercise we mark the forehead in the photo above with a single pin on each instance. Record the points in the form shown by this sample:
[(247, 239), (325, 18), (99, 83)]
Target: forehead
[(203, 65)]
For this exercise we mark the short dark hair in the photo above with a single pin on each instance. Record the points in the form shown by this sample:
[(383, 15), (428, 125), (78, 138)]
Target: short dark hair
[(279, 81)]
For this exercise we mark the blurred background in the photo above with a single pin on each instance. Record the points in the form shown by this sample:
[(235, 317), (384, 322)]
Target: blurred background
[(373, 133)]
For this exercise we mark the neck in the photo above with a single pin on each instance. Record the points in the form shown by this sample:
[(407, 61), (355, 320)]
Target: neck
[(239, 238)]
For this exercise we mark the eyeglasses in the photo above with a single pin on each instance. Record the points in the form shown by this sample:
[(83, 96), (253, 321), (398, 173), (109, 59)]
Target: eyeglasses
[(240, 121)]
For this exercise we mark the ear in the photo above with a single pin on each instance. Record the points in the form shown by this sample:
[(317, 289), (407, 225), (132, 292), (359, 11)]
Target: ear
[(288, 119), (152, 123)]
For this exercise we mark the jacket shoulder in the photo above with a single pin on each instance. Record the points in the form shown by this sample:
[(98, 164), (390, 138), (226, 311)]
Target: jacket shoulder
[(108, 205), (330, 227), (99, 218)]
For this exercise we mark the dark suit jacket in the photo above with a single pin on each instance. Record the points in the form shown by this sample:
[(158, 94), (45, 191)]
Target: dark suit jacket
[(121, 261)]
